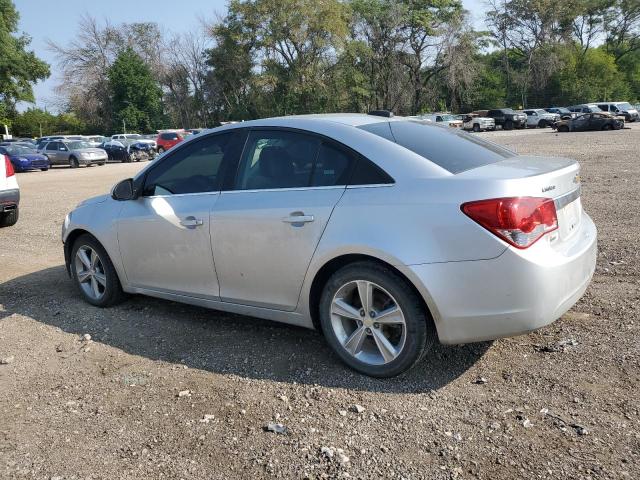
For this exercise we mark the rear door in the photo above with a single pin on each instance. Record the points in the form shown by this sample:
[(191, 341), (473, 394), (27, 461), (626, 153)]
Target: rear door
[(267, 225)]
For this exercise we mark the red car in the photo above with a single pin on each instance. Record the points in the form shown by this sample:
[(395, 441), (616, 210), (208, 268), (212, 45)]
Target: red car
[(166, 140)]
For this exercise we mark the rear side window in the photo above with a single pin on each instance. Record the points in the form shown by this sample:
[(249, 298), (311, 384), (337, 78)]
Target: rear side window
[(448, 148), (332, 166), (277, 159)]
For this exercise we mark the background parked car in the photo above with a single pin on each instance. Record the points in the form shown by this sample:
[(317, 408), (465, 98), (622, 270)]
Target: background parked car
[(585, 108), (540, 118), (166, 140), (9, 193), (443, 119), (562, 111), (95, 140), (507, 118), (589, 121), (73, 153), (128, 152), (473, 121), (23, 158), (625, 109)]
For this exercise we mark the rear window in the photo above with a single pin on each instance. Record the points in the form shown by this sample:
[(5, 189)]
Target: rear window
[(451, 149)]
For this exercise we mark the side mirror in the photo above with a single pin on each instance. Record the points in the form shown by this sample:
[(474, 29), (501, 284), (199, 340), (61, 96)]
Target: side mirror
[(124, 191)]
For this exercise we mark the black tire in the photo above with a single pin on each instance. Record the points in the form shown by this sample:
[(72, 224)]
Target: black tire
[(420, 329), (73, 162), (113, 293), (508, 125), (160, 150), (607, 126), (101, 164), (44, 169), (563, 128), (476, 127), (543, 124), (10, 218)]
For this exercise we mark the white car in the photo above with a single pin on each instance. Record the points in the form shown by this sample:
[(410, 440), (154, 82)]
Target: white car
[(540, 118), (443, 119), (387, 234), (473, 121), (9, 193)]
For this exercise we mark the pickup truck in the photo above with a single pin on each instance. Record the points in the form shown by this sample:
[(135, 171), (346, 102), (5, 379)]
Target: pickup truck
[(540, 118), (507, 118), (474, 121)]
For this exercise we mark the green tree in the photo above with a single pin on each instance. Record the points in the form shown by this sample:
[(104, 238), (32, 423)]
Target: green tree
[(19, 68), (135, 94)]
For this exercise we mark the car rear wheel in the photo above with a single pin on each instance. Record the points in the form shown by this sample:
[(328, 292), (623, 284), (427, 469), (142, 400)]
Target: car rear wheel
[(607, 127), (563, 128), (374, 320), (160, 150), (542, 124), (94, 274), (476, 127), (508, 125), (10, 218)]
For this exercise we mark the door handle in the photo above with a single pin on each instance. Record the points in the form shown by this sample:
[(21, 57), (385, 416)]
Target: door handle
[(191, 222), (298, 218)]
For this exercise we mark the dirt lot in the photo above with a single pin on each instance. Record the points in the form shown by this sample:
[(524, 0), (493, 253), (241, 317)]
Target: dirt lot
[(559, 403)]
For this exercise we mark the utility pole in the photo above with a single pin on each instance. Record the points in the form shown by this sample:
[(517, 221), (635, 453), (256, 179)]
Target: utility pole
[(124, 127), (40, 124)]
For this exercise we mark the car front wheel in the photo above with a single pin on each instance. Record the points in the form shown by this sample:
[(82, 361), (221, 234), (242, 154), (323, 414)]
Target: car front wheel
[(374, 320), (94, 274)]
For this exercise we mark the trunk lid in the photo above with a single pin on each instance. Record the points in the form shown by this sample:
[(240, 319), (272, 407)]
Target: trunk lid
[(547, 177)]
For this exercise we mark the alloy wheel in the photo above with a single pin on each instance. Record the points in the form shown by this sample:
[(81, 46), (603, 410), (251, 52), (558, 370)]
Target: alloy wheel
[(90, 272), (368, 322)]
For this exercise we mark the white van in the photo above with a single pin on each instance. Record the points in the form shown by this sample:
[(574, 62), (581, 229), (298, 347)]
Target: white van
[(620, 108)]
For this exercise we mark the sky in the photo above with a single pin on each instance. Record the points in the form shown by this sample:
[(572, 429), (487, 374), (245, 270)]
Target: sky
[(58, 20)]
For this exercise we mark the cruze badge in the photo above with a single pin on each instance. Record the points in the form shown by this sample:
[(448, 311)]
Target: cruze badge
[(548, 189)]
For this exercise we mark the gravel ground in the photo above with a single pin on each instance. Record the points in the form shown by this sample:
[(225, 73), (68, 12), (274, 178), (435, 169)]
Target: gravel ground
[(166, 390)]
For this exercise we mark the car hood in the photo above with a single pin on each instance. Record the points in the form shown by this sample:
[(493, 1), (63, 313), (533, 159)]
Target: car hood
[(89, 150), (94, 200), (28, 156)]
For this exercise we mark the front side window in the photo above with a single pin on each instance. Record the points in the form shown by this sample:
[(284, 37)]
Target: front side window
[(52, 146), (277, 159), (196, 168)]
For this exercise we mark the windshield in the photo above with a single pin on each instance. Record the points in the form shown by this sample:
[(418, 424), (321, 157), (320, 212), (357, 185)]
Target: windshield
[(17, 150), (447, 118), (594, 108), (79, 145), (624, 106), (448, 148), (133, 135)]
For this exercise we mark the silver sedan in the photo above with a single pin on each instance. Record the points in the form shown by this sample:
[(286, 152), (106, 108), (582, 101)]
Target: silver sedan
[(384, 233), (73, 153)]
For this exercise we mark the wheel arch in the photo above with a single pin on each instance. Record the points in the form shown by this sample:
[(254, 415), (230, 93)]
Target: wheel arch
[(71, 238), (331, 266)]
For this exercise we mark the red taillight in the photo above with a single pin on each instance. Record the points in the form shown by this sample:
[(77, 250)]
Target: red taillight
[(520, 221), (8, 166)]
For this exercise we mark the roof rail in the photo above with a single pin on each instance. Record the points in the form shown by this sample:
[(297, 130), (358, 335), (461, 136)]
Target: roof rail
[(381, 113)]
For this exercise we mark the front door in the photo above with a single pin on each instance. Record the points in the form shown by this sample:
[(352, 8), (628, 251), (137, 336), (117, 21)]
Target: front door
[(164, 235), (266, 228)]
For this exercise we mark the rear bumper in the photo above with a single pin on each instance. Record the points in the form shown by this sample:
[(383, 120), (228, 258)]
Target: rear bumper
[(9, 199), (515, 293)]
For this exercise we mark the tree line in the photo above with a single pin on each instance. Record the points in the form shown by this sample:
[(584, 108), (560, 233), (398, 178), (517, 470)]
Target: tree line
[(280, 57)]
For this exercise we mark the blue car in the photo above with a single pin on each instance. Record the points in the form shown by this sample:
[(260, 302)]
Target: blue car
[(24, 158)]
